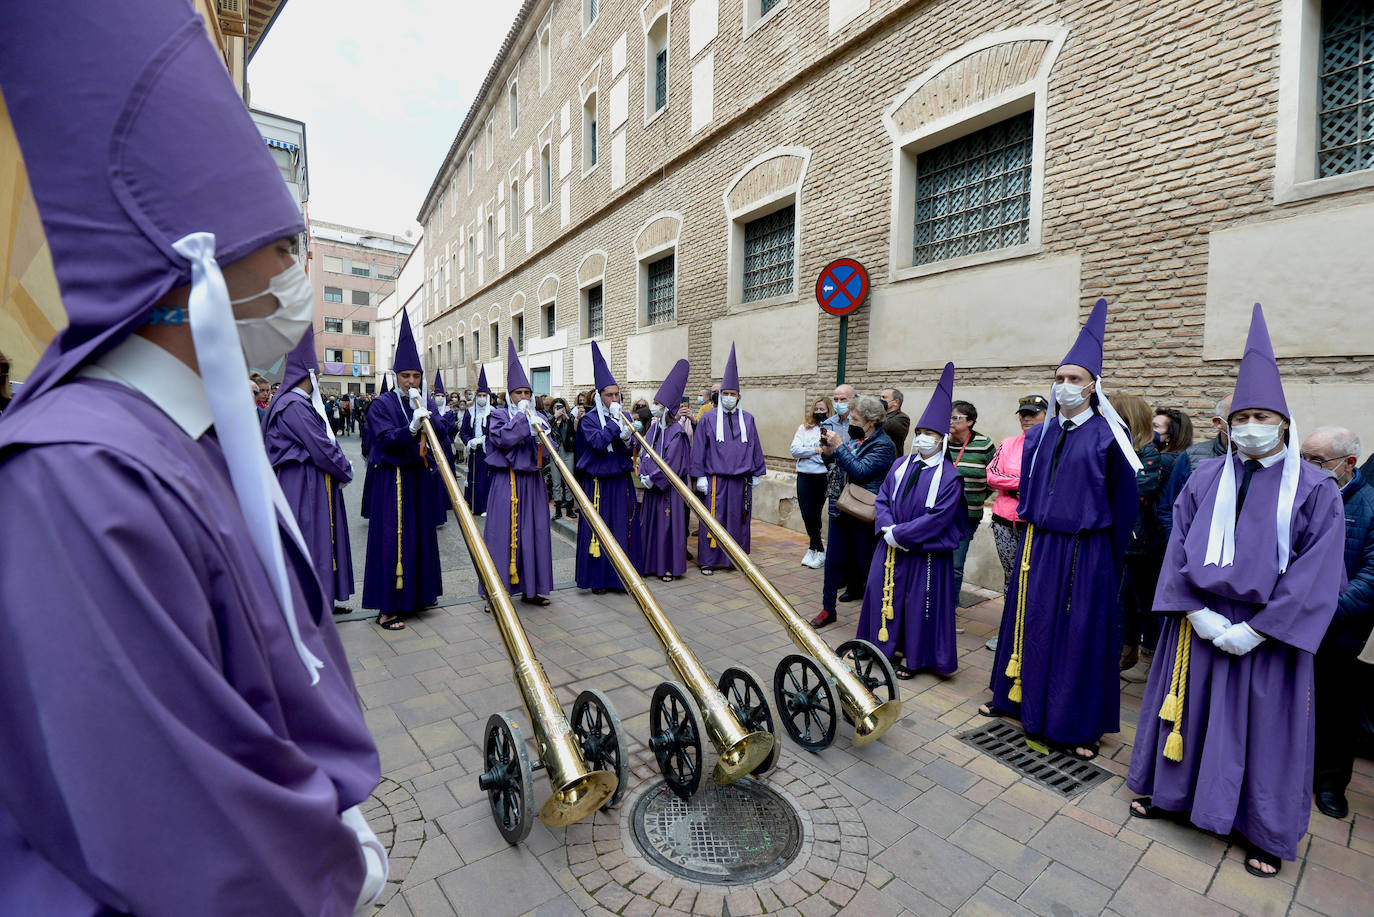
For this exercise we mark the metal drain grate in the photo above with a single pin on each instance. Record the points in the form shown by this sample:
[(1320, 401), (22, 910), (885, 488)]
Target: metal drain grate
[(724, 835), (1058, 771)]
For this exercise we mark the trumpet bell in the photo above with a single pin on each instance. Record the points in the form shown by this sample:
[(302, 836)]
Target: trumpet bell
[(578, 798), (869, 728), (742, 758)]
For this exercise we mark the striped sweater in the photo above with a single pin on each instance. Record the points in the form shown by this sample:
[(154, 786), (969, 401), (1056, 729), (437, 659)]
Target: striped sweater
[(972, 461)]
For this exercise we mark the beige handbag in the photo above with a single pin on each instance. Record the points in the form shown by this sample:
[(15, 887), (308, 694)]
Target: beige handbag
[(857, 502)]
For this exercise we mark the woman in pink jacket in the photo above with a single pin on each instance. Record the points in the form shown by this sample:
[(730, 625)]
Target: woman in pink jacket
[(1004, 477)]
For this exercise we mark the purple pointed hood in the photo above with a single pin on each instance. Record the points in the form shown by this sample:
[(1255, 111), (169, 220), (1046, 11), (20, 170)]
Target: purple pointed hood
[(1257, 383), (601, 373), (386, 384), (407, 356), (730, 380), (300, 362), (439, 382), (670, 392), (482, 387), (133, 136), (515, 373), (1087, 350), (941, 405)]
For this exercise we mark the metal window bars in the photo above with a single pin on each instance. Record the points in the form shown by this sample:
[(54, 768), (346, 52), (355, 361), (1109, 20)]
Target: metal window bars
[(1345, 132), (661, 292), (769, 248)]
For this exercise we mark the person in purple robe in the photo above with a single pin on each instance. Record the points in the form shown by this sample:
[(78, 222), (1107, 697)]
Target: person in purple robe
[(727, 462), (604, 471), (663, 514), (1251, 578), (182, 734), (446, 433), (910, 598), (312, 470), (472, 430), (1058, 652), (517, 526), (402, 574)]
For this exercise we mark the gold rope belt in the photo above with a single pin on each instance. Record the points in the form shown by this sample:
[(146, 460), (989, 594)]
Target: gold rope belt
[(713, 510), (398, 529), (1171, 710), (595, 548), (1018, 647), (514, 527), (329, 492), (887, 613)]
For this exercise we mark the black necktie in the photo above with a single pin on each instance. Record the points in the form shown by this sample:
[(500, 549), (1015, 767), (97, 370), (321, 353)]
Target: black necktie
[(1250, 466), (912, 474), (1059, 450)]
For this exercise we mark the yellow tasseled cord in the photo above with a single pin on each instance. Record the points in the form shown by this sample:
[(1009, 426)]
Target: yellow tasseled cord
[(1178, 692), (595, 548), (514, 527), (329, 492), (887, 612), (399, 569), (1018, 646), (713, 509)]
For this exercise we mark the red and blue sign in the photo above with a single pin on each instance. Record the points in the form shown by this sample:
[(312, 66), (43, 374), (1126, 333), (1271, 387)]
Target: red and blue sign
[(842, 286)]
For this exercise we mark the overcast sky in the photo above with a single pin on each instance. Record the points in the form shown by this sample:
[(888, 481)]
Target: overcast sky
[(382, 89)]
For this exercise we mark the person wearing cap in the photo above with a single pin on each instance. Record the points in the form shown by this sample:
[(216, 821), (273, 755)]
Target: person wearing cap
[(472, 430), (1252, 575), (312, 470), (182, 734), (909, 601), (727, 462), (603, 470), (517, 528), (1058, 650), (663, 516), (402, 574), (1004, 478)]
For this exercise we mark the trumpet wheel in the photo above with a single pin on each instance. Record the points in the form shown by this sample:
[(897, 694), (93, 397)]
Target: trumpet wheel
[(754, 708), (807, 703), (508, 779), (676, 737), (872, 668), (598, 733)]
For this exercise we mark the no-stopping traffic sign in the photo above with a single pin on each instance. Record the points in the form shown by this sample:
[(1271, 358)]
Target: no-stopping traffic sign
[(842, 286)]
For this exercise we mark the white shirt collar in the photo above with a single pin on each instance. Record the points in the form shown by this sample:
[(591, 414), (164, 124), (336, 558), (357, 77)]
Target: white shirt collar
[(170, 384), (933, 459), (1268, 461), (1077, 420)]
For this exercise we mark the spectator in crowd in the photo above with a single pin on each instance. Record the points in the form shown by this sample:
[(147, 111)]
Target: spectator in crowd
[(862, 461), (1004, 476), (1187, 464), (1145, 552), (843, 397), (970, 451), (563, 432), (1173, 432), (346, 413), (811, 478), (896, 425), (1341, 682), (708, 400)]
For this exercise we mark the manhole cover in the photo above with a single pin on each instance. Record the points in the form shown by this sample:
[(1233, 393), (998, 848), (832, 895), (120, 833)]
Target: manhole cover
[(1057, 770), (725, 835)]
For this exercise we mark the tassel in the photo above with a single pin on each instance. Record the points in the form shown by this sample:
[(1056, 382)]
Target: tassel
[(595, 548), (1173, 746), (1019, 633), (1014, 666), (713, 508), (887, 612), (329, 494), (1168, 711), (399, 507), (1014, 695), (514, 527)]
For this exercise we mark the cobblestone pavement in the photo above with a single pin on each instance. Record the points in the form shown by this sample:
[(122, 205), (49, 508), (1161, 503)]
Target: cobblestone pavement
[(917, 823)]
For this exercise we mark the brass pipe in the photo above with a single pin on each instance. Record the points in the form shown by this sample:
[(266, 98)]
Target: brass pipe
[(739, 750), (871, 717), (578, 791)]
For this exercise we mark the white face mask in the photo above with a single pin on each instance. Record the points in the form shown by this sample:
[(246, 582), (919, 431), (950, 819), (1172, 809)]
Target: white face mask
[(729, 402), (925, 443), (481, 401), (1069, 395), (1256, 438), (656, 409), (267, 340)]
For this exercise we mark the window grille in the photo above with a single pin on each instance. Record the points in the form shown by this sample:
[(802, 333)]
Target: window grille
[(495, 340), (973, 193), (361, 327), (661, 79), (768, 252), (549, 324), (596, 325), (661, 290), (333, 325), (519, 334), (1346, 121), (462, 350), (765, 6)]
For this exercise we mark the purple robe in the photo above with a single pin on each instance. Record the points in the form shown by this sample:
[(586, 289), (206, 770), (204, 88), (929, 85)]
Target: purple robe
[(312, 471), (163, 744), (603, 471), (446, 427), (479, 475), (365, 442), (923, 596), (396, 455), (1083, 515), (1247, 720), (663, 515), (513, 455), (728, 467)]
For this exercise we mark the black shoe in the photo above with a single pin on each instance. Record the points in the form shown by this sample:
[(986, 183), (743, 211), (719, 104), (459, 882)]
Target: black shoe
[(850, 596), (1332, 804), (558, 512)]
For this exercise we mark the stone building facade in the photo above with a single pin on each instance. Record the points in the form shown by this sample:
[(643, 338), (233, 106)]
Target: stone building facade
[(672, 176)]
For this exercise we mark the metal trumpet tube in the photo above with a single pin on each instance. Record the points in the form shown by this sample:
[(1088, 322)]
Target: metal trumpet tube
[(871, 716), (739, 751), (578, 791)]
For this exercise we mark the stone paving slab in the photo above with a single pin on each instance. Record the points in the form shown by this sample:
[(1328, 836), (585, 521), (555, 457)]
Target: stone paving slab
[(915, 824)]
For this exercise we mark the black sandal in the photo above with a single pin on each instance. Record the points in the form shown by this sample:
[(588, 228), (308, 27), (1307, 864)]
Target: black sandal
[(707, 571), (1266, 859), (988, 710), (903, 672), (666, 579), (394, 624), (1071, 749), (1151, 810), (537, 600)]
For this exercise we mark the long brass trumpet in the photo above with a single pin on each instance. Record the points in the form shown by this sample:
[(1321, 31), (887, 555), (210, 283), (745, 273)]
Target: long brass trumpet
[(740, 751), (799, 693), (578, 790)]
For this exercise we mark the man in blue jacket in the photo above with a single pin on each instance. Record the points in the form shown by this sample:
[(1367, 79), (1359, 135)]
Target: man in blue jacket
[(1341, 682)]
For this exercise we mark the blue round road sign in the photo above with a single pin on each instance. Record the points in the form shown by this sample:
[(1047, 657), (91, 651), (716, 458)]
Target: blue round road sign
[(842, 286)]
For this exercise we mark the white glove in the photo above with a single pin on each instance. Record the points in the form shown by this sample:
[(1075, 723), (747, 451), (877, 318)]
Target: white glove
[(754, 481), (476, 442), (523, 406), (1238, 639), (374, 855), (1208, 624), (701, 484), (644, 479), (537, 424), (418, 420), (890, 538), (413, 395), (614, 408)]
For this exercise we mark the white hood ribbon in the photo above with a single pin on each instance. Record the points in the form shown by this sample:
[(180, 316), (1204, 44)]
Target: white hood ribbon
[(318, 402), (720, 425), (935, 481), (1221, 533), (222, 369), (602, 414), (1123, 438)]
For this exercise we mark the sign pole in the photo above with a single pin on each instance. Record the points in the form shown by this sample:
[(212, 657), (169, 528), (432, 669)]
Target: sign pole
[(844, 345)]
